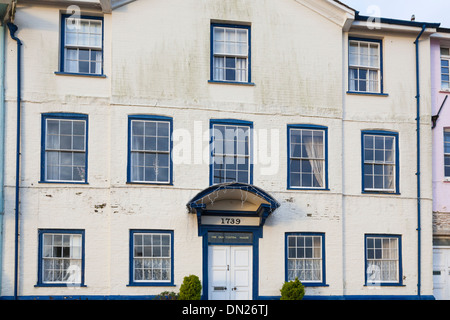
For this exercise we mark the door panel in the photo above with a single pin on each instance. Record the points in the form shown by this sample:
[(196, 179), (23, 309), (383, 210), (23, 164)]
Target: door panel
[(441, 273)]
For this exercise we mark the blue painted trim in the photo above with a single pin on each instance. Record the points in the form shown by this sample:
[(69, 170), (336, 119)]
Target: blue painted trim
[(232, 82), (312, 127), (355, 297), (231, 122), (211, 50), (397, 160), (41, 233), (368, 93), (146, 117), (80, 74), (306, 284), (380, 42), (400, 263), (133, 283), (257, 234), (409, 23), (63, 116), (62, 42)]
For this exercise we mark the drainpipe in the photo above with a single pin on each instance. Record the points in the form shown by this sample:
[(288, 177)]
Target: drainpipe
[(12, 30), (418, 165), (2, 139)]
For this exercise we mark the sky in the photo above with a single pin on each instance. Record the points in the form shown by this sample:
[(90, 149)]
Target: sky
[(424, 10)]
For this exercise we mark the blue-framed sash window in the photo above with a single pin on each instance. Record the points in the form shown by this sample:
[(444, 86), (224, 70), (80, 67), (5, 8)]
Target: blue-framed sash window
[(231, 154), (445, 69), (230, 53), (307, 157), (305, 258), (365, 65), (81, 45), (151, 257), (61, 257), (380, 156), (150, 148), (383, 261), (447, 152), (64, 148)]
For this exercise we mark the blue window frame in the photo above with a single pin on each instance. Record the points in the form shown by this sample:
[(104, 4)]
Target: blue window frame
[(445, 69), (383, 260), (81, 45), (447, 152), (61, 257), (365, 66), (305, 258), (380, 161), (149, 149), (307, 157), (230, 53), (64, 148), (231, 151), (151, 257)]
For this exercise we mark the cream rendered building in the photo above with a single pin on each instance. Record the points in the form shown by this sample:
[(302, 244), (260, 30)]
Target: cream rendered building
[(246, 143)]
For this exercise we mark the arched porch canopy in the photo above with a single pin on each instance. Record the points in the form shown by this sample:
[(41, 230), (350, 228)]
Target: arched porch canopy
[(232, 204)]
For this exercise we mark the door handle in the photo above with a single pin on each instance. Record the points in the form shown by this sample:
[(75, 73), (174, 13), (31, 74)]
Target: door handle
[(233, 288)]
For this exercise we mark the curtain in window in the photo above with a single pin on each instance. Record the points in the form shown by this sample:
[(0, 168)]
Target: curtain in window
[(314, 149)]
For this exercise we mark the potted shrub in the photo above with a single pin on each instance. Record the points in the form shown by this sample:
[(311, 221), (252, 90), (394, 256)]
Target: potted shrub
[(292, 290), (191, 288)]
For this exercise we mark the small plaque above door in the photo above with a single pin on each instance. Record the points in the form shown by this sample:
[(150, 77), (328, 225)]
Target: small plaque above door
[(230, 238)]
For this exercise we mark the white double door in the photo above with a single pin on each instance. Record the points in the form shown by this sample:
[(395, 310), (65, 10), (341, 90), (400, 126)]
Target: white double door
[(441, 273), (230, 272)]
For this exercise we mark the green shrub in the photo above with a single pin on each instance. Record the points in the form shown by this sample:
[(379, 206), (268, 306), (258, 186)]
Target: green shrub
[(166, 295), (292, 290), (191, 288)]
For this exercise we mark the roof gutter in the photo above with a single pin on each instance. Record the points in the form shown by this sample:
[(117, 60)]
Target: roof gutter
[(12, 30)]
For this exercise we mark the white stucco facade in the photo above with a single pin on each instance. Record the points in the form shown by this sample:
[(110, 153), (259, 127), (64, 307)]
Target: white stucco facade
[(156, 61)]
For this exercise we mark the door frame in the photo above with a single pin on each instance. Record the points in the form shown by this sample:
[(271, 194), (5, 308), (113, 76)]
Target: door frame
[(257, 234)]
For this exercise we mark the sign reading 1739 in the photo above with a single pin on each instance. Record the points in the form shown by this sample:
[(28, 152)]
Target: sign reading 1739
[(230, 221)]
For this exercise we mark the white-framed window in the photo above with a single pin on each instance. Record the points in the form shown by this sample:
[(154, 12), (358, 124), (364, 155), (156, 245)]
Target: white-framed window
[(61, 254), (64, 157), (365, 66), (82, 50), (380, 157), (150, 149), (445, 69), (307, 156), (305, 259), (383, 257), (230, 53), (447, 152), (152, 257), (231, 158)]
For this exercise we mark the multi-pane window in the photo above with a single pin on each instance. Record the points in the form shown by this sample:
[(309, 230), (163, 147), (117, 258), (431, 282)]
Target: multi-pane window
[(447, 153), (230, 53), (445, 67), (83, 45), (152, 256), (307, 157), (380, 162), (61, 257), (365, 66), (304, 257), (65, 148), (382, 259), (230, 153), (150, 146)]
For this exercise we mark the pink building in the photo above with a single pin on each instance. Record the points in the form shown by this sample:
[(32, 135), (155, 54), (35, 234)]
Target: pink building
[(440, 85)]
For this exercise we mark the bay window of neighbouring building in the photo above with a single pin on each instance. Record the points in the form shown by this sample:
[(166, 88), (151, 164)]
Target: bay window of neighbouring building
[(307, 157), (380, 168), (445, 67), (151, 257), (61, 257), (64, 148), (230, 53), (150, 147), (383, 260), (365, 66), (81, 45), (305, 258), (231, 151)]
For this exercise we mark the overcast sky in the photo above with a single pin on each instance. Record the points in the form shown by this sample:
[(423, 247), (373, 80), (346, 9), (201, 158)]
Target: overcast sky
[(424, 10)]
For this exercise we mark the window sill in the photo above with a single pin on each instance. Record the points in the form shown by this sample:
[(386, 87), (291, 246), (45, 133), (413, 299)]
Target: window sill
[(151, 183), (315, 284), (308, 189), (152, 284), (446, 179), (68, 285), (368, 93), (444, 91), (63, 182), (382, 284), (80, 74), (380, 192), (232, 82)]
